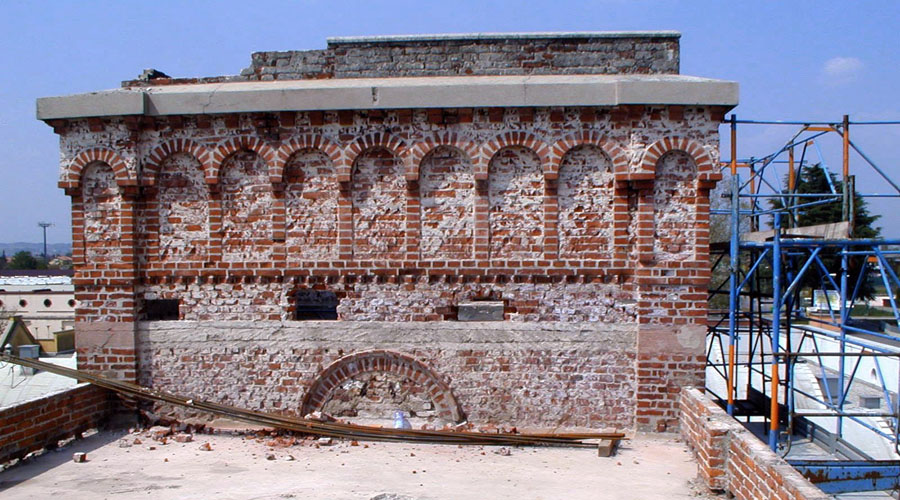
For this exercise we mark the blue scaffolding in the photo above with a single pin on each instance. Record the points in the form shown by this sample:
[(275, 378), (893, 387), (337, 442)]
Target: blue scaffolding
[(756, 345)]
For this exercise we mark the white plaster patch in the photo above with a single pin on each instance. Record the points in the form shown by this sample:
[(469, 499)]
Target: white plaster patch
[(516, 195), (311, 202), (183, 209), (247, 203), (675, 212), (586, 187), (379, 205), (447, 201), (102, 213)]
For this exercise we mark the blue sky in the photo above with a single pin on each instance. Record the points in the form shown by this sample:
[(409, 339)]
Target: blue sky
[(799, 60)]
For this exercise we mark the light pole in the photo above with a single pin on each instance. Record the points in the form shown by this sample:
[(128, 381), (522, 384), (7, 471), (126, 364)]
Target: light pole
[(44, 226)]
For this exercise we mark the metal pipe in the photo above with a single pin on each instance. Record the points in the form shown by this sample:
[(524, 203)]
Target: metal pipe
[(733, 144), (863, 354), (797, 279), (845, 316), (874, 166), (776, 330), (833, 124), (846, 136), (733, 289)]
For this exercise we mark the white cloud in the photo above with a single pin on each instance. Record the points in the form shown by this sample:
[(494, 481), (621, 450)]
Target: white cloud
[(842, 70)]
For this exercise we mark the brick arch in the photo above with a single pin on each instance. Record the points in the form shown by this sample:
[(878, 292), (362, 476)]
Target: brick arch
[(701, 158), (71, 177), (305, 141), (423, 148), (382, 361), (171, 148), (612, 151), (235, 144), (513, 138), (392, 143)]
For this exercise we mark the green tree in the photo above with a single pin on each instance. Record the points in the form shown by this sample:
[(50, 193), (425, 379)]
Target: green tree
[(24, 260), (815, 180)]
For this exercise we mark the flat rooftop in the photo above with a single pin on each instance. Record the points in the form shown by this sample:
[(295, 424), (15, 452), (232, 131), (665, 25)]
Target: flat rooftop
[(648, 467)]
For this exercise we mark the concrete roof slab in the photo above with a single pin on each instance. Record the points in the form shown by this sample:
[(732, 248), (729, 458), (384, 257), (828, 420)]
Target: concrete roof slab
[(394, 93), (104, 103)]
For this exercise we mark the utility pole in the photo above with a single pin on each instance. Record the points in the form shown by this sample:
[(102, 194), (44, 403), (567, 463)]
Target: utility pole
[(44, 226)]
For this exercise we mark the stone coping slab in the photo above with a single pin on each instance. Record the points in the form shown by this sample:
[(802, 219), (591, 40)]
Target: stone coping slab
[(534, 35), (393, 93)]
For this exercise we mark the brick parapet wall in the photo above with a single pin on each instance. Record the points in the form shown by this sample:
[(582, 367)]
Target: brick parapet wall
[(528, 375), (670, 356), (43, 422), (513, 55), (732, 459)]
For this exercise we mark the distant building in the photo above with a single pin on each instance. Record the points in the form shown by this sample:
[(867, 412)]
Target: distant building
[(14, 333), (45, 302), (19, 384), (60, 262)]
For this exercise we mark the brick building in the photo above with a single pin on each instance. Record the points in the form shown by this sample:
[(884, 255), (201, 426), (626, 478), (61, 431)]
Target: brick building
[(312, 233)]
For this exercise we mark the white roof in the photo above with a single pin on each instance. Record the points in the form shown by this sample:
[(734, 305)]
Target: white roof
[(31, 283), (17, 388)]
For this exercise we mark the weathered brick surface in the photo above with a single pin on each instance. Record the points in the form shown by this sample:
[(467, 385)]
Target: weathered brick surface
[(102, 217), (674, 207), (515, 195), (512, 55), (538, 376), (312, 203), (247, 203), (379, 206), (586, 184), (43, 422), (183, 212), (447, 201), (575, 233), (595, 218), (732, 459)]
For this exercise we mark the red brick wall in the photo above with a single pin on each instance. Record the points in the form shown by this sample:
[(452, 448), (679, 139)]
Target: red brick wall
[(595, 215), (732, 459), (43, 422), (580, 212), (511, 374)]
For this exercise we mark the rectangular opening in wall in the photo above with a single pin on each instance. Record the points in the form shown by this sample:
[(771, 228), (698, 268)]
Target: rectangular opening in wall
[(310, 305), (161, 310), (870, 402), (833, 385)]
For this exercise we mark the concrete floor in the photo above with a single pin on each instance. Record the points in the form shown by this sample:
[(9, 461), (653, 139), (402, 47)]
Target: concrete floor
[(647, 467)]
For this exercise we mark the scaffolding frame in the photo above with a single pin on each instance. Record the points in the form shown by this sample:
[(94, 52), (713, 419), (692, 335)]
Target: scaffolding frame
[(765, 316)]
